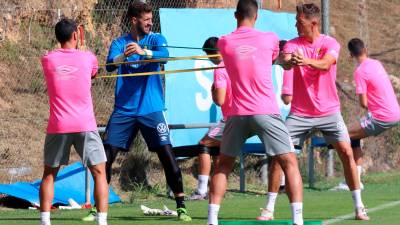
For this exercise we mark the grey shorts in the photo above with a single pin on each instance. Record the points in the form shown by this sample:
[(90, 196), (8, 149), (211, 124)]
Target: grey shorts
[(332, 127), (269, 128), (88, 145), (216, 131), (373, 127)]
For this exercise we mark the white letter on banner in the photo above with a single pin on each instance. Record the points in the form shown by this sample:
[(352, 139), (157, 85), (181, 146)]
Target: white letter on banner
[(203, 103)]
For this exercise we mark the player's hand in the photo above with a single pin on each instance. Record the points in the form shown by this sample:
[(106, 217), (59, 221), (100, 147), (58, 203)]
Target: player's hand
[(299, 59), (133, 48)]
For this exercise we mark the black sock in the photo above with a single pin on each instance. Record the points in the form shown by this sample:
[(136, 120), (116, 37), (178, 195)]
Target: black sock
[(180, 202)]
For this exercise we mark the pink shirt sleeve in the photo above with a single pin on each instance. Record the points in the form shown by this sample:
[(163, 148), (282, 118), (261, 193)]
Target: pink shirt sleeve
[(332, 48), (95, 64), (220, 78), (361, 84), (44, 61), (287, 87), (275, 50)]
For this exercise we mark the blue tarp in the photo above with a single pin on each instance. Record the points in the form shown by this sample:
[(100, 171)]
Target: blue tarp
[(70, 183)]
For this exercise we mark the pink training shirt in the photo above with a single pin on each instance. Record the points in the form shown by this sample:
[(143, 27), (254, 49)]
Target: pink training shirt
[(221, 80), (68, 74), (287, 86), (248, 55), (314, 91), (371, 79)]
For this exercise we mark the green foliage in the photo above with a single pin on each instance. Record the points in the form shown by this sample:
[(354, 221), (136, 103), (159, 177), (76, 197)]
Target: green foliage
[(9, 51)]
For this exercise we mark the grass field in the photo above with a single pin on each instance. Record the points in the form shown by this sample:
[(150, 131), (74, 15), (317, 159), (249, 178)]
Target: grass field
[(319, 204)]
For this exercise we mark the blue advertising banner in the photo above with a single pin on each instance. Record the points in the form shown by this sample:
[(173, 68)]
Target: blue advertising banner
[(188, 95)]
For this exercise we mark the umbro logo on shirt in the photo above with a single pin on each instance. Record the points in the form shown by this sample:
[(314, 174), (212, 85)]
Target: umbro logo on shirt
[(245, 51), (65, 72)]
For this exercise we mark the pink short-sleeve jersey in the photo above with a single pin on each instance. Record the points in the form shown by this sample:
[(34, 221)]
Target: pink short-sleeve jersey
[(314, 91), (371, 79), (68, 74), (248, 55)]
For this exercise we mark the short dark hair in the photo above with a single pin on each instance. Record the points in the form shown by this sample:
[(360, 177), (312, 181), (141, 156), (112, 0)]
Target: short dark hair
[(309, 10), (64, 29), (247, 9), (137, 8), (282, 44), (210, 45), (356, 47)]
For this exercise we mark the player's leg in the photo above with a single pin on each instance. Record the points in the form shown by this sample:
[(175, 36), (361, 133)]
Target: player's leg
[(155, 131), (56, 153), (46, 193), (204, 169), (90, 148), (335, 132), (356, 133), (274, 179), (294, 185), (211, 139), (275, 137), (366, 127), (235, 134), (120, 132)]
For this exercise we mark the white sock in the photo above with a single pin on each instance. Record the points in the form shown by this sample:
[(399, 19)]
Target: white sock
[(297, 212), (271, 199), (356, 194), (213, 210), (45, 218), (359, 169), (202, 184), (101, 218)]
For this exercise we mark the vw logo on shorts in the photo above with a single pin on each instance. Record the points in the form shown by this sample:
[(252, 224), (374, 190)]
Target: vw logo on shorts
[(162, 128)]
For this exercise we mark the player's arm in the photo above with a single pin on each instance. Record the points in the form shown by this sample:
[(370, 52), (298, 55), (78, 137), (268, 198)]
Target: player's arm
[(331, 48), (286, 61), (218, 95), (95, 66), (363, 100), (287, 99), (287, 87), (321, 64), (361, 87), (160, 50), (116, 54)]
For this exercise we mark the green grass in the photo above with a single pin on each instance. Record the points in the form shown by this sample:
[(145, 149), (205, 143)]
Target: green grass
[(318, 205)]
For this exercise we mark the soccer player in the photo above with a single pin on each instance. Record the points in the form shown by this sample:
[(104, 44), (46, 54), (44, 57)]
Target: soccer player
[(139, 101), (221, 92), (248, 56), (68, 73), (376, 94), (315, 103)]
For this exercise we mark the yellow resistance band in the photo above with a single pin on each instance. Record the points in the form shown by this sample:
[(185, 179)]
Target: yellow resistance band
[(159, 72), (163, 60)]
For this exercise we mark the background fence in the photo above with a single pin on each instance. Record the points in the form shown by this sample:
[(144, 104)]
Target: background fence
[(26, 32)]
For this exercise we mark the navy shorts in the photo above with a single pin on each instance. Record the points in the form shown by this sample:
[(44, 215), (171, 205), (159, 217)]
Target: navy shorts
[(122, 129)]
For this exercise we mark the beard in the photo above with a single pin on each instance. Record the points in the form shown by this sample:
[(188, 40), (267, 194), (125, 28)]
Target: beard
[(143, 30)]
